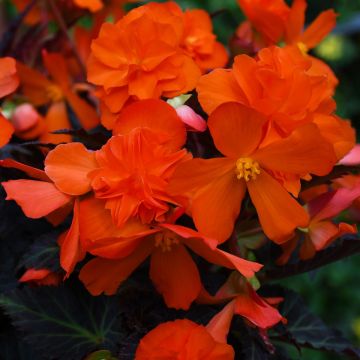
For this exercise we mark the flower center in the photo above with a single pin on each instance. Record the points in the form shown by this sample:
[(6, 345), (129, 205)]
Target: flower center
[(247, 168), (166, 240), (54, 93)]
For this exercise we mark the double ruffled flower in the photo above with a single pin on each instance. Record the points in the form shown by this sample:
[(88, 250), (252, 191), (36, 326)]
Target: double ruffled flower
[(154, 51)]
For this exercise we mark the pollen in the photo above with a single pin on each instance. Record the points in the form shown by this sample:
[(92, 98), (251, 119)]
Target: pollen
[(166, 240), (247, 168), (54, 93)]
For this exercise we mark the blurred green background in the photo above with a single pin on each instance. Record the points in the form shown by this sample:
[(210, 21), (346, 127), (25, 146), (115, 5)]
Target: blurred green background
[(332, 292)]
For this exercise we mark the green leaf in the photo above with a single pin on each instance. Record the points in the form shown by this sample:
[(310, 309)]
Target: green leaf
[(308, 330), (346, 246), (251, 344), (43, 253), (12, 346), (100, 355), (65, 323)]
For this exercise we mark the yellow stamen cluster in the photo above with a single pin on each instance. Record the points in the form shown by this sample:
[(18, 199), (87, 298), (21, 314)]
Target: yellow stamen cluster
[(247, 168), (54, 93), (165, 240)]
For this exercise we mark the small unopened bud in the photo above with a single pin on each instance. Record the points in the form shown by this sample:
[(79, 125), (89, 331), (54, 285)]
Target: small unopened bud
[(25, 117), (28, 123), (192, 120)]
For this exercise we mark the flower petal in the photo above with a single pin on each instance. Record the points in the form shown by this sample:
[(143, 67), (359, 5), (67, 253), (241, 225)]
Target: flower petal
[(56, 66), (279, 213), (219, 325), (175, 276), (9, 80), (85, 112), (68, 166), (29, 170), (319, 28), (196, 174), (339, 200), (216, 88), (336, 131), (96, 224), (216, 207), (56, 119), (6, 130), (34, 84), (156, 115), (352, 158), (71, 251), (222, 258), (295, 22), (322, 233), (192, 120), (256, 310), (34, 274), (36, 198), (236, 129), (105, 276), (304, 151), (187, 233)]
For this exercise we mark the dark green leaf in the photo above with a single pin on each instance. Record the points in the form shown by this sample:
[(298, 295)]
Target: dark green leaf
[(64, 323), (12, 347), (43, 253), (309, 330), (250, 345), (100, 355), (16, 235), (346, 246)]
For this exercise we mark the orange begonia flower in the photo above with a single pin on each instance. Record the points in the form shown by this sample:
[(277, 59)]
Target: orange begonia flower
[(146, 61), (217, 186), (56, 92), (186, 340), (199, 41), (276, 21), (131, 173), (172, 269), (246, 302), (279, 83), (132, 170)]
